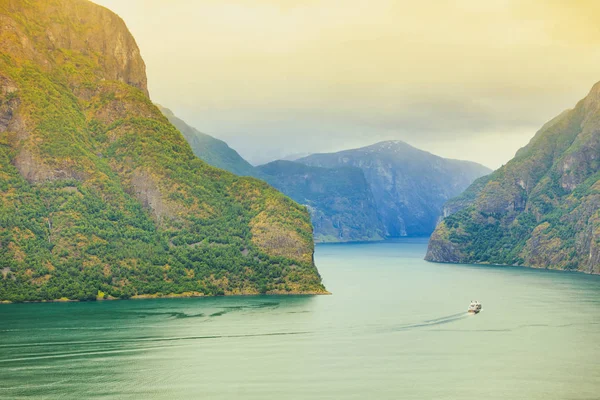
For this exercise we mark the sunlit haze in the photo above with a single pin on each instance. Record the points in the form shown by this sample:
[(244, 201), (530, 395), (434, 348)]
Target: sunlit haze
[(465, 79)]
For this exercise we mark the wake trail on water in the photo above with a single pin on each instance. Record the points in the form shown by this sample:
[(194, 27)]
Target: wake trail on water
[(146, 340), (431, 322), (460, 314), (77, 354), (36, 386)]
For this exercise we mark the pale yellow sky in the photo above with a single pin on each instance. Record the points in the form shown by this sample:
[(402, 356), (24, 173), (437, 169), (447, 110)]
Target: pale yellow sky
[(466, 79)]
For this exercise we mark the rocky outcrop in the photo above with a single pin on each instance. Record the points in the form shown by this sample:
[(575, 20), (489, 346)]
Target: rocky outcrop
[(442, 249), (147, 191), (542, 209)]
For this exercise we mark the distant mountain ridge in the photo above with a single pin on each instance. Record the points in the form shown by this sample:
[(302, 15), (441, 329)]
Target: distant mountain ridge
[(409, 185), (541, 209)]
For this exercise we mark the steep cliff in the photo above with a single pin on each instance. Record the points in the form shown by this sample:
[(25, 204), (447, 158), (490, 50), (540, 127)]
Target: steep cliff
[(542, 209), (100, 196), (409, 185)]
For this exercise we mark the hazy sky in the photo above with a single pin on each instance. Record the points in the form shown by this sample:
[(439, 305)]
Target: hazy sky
[(467, 79)]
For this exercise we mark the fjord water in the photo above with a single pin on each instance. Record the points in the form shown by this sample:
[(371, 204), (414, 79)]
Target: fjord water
[(395, 327)]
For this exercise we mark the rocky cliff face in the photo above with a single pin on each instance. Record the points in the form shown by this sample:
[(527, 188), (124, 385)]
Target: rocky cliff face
[(542, 209), (101, 196), (43, 30), (409, 186)]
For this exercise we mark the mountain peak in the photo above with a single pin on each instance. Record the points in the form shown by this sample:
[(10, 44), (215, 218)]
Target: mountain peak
[(396, 142), (393, 145)]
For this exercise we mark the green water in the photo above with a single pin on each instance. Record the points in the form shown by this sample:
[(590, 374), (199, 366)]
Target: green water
[(395, 328)]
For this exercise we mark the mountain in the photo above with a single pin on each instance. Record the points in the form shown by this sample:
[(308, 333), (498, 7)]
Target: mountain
[(209, 149), (409, 186), (541, 209), (340, 201), (102, 197), (386, 190), (294, 156)]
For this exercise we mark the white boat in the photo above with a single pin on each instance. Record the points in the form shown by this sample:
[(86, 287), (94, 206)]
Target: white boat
[(475, 307)]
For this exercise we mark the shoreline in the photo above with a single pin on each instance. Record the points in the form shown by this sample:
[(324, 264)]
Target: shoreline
[(170, 296), (558, 270), (385, 240)]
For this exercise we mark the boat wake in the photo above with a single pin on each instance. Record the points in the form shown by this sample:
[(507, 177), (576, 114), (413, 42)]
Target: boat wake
[(431, 322), (149, 339)]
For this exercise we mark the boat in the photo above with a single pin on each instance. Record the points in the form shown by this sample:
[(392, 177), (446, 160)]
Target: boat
[(475, 307)]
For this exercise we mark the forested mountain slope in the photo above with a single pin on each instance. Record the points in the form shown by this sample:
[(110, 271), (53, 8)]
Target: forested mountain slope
[(100, 196), (542, 209)]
